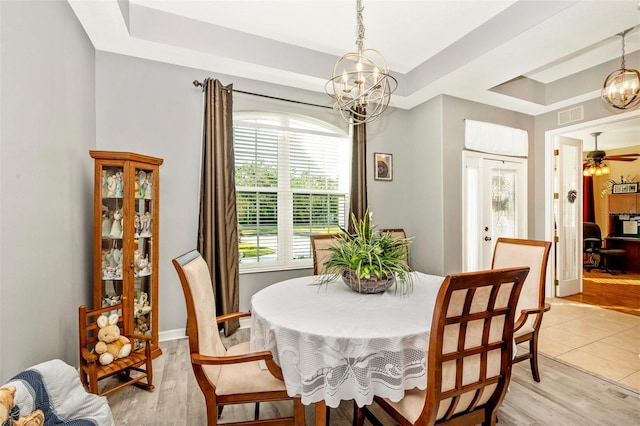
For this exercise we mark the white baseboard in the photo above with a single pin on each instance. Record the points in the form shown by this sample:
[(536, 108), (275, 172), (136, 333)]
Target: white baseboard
[(180, 333), (245, 322)]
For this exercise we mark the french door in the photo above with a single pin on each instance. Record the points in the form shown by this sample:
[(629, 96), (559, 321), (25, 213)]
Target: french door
[(567, 213), (494, 205)]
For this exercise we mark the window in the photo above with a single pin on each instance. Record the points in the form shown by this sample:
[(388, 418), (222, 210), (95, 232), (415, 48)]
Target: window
[(292, 181)]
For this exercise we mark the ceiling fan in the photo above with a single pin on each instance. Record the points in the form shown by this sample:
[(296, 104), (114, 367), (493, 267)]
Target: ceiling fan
[(596, 157)]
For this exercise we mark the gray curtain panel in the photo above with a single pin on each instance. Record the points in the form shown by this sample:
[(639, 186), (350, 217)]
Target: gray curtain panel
[(358, 205), (218, 226)]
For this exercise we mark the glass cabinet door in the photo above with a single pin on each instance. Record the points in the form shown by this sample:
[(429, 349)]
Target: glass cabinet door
[(126, 239), (143, 249), (111, 234)]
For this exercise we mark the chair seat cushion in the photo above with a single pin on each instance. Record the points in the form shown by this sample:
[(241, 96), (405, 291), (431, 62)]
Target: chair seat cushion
[(246, 377), (526, 329), (411, 405)]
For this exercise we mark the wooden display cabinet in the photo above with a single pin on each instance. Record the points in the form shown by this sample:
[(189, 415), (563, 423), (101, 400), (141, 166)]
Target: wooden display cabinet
[(125, 231), (624, 203)]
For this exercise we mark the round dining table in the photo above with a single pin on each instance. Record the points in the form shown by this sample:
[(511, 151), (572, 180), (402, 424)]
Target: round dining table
[(335, 344)]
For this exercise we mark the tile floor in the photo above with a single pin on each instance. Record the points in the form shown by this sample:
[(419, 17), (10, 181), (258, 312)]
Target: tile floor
[(602, 341)]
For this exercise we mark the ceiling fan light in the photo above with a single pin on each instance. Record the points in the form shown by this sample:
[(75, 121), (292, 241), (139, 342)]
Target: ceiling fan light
[(592, 170), (605, 169), (598, 171), (585, 172)]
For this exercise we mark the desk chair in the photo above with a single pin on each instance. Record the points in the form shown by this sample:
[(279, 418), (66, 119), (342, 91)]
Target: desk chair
[(511, 252), (599, 257), (470, 351), (226, 375)]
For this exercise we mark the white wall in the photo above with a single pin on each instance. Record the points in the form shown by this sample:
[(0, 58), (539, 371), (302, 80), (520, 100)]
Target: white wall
[(48, 127)]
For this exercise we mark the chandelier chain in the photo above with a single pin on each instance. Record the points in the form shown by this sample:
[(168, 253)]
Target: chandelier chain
[(360, 40), (622, 65)]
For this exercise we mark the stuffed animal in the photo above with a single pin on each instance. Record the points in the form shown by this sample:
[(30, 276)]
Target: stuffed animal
[(111, 345), (10, 414)]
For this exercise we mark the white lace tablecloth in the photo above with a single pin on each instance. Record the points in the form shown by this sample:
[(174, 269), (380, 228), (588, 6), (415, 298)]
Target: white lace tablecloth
[(335, 344)]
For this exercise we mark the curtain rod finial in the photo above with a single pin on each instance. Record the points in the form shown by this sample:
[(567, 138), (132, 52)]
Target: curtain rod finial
[(196, 83)]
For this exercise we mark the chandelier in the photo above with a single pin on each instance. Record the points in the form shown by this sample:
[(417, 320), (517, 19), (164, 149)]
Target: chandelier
[(361, 85), (621, 89), (595, 165)]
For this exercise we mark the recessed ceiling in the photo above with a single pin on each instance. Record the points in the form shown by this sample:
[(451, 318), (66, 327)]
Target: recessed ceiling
[(614, 135), (459, 48)]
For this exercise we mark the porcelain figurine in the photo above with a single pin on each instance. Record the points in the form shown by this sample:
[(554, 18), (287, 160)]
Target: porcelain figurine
[(116, 226), (119, 183), (106, 225), (148, 187)]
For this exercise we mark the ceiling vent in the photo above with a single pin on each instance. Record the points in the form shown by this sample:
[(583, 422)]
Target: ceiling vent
[(571, 115)]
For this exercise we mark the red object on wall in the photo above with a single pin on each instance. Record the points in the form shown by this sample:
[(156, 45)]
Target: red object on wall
[(588, 209)]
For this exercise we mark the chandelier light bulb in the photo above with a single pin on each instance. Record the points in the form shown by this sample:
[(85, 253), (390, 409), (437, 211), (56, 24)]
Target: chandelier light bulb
[(367, 70), (620, 90)]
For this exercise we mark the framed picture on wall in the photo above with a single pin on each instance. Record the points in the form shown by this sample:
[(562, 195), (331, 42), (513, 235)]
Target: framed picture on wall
[(383, 166), (625, 188)]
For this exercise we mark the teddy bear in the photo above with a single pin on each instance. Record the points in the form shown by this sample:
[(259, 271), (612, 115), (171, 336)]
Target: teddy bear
[(111, 345), (10, 414)]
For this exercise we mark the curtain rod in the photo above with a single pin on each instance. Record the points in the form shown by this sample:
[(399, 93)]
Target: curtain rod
[(196, 83)]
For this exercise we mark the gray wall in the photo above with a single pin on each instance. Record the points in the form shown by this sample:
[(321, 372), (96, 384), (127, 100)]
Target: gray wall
[(593, 110), (48, 126), (152, 108), (455, 111), (60, 99)]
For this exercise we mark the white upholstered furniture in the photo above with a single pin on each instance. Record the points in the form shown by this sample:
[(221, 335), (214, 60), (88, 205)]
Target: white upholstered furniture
[(531, 304), (320, 245), (225, 375), (470, 349)]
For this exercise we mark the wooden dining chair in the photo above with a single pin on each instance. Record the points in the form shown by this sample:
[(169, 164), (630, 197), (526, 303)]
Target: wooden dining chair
[(138, 362), (470, 350), (531, 305), (397, 233), (320, 245), (226, 375)]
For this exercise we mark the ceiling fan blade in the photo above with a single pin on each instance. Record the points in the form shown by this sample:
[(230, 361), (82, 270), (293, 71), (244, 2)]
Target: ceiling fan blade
[(614, 158)]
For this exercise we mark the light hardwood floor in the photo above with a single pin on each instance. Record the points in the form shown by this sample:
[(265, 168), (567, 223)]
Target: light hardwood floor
[(566, 396)]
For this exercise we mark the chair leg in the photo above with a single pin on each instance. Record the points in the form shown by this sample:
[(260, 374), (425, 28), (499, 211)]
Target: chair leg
[(358, 415), (220, 407), (533, 349), (298, 412), (256, 412)]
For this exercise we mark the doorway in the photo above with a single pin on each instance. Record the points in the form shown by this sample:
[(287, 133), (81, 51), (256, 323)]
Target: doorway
[(582, 132), (494, 205)]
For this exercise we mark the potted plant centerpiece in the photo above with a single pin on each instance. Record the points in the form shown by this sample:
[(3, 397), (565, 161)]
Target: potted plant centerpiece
[(368, 261)]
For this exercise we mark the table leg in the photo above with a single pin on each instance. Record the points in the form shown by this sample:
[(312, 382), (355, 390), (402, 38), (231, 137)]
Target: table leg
[(321, 413)]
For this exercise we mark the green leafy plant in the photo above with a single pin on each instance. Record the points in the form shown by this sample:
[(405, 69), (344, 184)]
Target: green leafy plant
[(368, 254)]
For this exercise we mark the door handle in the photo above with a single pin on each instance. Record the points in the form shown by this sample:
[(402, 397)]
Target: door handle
[(487, 238)]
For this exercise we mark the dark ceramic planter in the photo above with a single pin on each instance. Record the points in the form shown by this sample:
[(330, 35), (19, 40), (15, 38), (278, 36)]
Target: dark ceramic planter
[(369, 286)]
